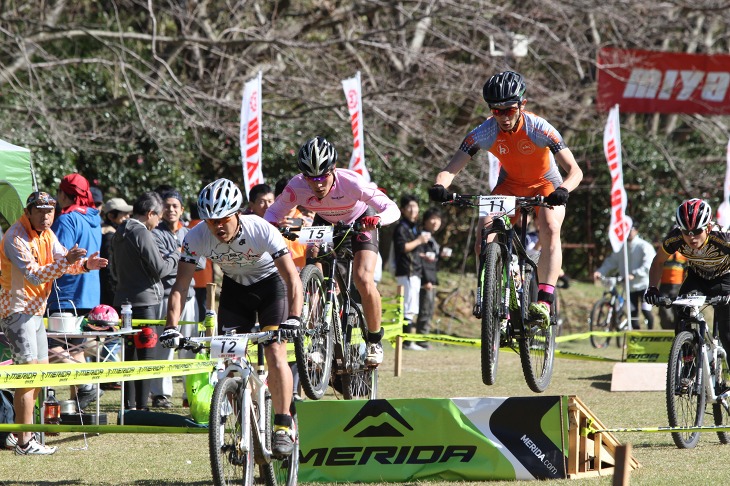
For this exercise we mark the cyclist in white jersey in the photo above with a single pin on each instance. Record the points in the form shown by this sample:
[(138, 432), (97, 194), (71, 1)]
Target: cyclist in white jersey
[(343, 195), (260, 283)]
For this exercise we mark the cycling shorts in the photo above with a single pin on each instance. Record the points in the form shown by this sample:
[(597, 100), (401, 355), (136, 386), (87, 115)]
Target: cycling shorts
[(242, 306), (26, 336)]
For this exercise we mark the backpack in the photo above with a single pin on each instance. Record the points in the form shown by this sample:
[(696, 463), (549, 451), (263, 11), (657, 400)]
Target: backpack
[(7, 412)]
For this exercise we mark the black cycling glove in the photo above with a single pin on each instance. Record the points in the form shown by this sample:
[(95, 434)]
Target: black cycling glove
[(439, 193), (558, 197)]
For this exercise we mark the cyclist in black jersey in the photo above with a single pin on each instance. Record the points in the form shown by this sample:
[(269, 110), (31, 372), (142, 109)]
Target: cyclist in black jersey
[(707, 249)]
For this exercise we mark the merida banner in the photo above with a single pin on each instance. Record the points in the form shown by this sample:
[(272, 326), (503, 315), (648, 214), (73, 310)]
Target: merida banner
[(663, 82), (648, 346), (458, 439)]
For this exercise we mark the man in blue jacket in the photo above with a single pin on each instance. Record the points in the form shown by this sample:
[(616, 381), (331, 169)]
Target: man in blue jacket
[(78, 224)]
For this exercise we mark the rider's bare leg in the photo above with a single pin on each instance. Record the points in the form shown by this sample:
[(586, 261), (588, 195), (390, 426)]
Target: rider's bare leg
[(363, 272), (549, 222)]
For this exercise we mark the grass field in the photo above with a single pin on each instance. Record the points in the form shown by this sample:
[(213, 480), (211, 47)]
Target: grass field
[(444, 371)]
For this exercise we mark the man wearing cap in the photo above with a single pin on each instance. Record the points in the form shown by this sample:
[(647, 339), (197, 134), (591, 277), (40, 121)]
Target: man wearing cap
[(641, 254), (98, 198), (32, 257), (169, 236), (116, 211)]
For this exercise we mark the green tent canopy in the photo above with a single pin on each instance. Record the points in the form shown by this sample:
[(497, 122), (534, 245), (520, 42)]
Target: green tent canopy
[(17, 180)]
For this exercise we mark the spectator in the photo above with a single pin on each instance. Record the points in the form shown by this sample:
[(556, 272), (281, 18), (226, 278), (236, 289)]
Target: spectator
[(673, 274), (407, 239), (78, 224), (116, 211), (98, 198), (295, 219), (169, 235), (430, 252), (641, 253), (260, 197), (203, 276), (31, 257), (138, 269)]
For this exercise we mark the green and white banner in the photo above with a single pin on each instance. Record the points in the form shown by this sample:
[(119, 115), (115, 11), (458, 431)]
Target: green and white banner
[(458, 439)]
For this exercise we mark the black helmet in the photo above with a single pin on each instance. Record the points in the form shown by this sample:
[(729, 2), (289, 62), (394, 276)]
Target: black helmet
[(316, 157), (504, 89)]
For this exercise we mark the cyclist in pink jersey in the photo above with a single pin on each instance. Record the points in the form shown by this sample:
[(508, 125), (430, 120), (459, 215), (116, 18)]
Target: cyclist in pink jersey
[(528, 148), (342, 195)]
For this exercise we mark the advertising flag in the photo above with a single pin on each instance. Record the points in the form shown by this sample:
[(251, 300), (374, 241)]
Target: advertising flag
[(618, 229), (723, 212), (251, 134), (353, 94)]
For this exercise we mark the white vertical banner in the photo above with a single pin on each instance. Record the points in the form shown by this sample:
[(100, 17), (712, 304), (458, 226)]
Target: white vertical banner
[(723, 211), (494, 166), (618, 228), (353, 94), (251, 146)]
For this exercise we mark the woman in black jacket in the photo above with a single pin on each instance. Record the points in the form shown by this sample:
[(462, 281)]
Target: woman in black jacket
[(138, 268)]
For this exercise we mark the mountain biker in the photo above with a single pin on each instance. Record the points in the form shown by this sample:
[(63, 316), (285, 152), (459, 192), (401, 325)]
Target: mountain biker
[(527, 147), (259, 280), (342, 195), (707, 249)]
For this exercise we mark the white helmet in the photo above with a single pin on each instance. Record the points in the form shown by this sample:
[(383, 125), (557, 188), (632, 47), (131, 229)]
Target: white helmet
[(316, 157), (219, 199)]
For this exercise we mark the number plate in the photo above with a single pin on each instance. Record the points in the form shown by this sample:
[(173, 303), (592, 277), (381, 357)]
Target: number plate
[(496, 206), (316, 234), (692, 300), (228, 347)]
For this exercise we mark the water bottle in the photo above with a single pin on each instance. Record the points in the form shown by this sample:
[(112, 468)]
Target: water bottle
[(209, 322), (51, 410), (127, 316)]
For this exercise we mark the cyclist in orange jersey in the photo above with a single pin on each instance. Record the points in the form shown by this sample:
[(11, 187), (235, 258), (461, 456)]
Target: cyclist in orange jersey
[(528, 148)]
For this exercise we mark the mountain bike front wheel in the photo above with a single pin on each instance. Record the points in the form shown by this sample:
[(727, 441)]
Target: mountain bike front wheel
[(358, 381), (313, 347), (601, 321), (537, 343), (229, 463), (493, 281), (685, 391), (279, 471)]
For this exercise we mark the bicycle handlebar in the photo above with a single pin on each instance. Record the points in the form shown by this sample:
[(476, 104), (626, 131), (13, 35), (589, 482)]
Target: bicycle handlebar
[(340, 228), (472, 201), (667, 302), (197, 344)]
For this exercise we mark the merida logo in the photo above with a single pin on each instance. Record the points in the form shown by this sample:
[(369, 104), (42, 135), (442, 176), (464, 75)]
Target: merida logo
[(378, 419)]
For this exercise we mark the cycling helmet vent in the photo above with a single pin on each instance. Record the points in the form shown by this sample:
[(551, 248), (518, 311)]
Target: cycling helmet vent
[(504, 89), (219, 199), (316, 157), (693, 214)]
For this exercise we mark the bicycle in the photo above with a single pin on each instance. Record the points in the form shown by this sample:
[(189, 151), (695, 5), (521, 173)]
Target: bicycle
[(608, 314), (241, 414), (507, 284), (332, 345), (697, 372)]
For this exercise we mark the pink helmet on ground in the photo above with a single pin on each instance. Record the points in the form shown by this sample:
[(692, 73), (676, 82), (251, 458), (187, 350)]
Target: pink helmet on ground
[(103, 314)]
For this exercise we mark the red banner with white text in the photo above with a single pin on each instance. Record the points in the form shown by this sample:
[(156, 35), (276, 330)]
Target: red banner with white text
[(618, 228), (663, 82), (353, 93)]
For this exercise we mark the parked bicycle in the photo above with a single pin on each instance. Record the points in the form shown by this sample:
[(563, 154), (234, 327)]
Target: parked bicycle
[(609, 314), (332, 346), (697, 372), (241, 414), (507, 284)]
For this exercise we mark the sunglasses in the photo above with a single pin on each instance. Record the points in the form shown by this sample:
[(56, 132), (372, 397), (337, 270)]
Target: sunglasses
[(505, 111), (321, 178), (695, 232), (219, 221)]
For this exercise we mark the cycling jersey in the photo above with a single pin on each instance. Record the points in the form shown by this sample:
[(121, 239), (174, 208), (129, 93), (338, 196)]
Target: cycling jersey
[(347, 200), (30, 262), (526, 163), (248, 258), (710, 261)]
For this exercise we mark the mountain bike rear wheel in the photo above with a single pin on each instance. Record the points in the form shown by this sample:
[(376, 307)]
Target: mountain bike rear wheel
[(601, 319), (721, 410), (279, 471), (313, 347), (537, 343), (685, 391), (229, 464), (492, 281), (358, 381)]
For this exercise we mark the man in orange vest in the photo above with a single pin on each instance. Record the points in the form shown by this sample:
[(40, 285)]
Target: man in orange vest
[(673, 274)]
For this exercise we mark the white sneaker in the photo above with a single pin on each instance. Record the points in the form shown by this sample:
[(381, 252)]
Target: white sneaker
[(375, 354), (12, 440), (34, 448), (411, 346)]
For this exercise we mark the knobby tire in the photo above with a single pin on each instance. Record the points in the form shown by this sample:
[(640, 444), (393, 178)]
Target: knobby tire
[(685, 391), (492, 281), (721, 410), (537, 343), (314, 346), (360, 381), (601, 319), (280, 471)]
